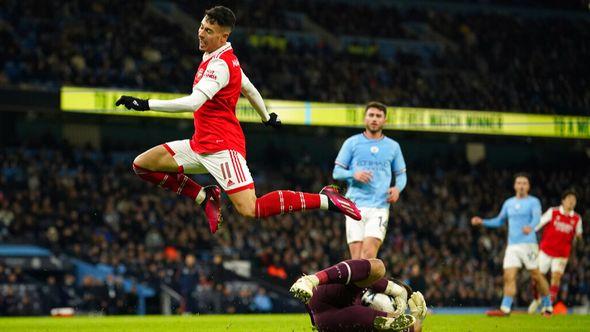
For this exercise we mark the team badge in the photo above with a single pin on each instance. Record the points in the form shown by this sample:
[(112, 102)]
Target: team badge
[(374, 149)]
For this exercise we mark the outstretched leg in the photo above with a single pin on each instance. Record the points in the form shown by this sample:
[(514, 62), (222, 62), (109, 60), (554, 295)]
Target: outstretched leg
[(286, 201)]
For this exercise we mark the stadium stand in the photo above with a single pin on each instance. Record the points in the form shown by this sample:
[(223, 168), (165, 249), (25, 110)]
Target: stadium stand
[(450, 56), (87, 210), (75, 202)]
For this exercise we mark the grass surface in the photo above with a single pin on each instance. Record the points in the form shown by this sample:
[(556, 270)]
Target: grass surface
[(296, 322)]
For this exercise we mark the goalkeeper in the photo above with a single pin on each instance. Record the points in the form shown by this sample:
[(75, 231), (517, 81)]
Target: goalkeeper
[(332, 298)]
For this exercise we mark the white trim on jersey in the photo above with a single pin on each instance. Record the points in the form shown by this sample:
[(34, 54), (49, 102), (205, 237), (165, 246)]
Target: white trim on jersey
[(341, 165), (217, 52), (401, 171)]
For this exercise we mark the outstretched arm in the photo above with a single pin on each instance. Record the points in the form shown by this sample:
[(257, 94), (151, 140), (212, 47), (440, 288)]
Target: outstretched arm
[(189, 103), (255, 99), (498, 220), (215, 78)]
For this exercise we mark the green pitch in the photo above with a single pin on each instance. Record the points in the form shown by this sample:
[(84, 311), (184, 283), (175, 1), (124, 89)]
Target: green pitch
[(296, 322)]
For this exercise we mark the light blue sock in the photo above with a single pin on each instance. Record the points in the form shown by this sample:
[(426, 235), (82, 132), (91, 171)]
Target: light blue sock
[(546, 301), (506, 304)]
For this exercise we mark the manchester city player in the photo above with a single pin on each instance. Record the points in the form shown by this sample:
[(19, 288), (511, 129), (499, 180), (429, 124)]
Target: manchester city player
[(523, 212), (367, 162)]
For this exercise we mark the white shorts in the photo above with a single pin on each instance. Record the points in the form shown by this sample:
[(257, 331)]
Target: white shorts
[(557, 264), (518, 255), (228, 167), (373, 224)]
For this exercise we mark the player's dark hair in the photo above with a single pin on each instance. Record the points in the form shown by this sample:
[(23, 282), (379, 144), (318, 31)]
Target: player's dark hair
[(567, 193), (522, 175), (377, 105), (222, 16)]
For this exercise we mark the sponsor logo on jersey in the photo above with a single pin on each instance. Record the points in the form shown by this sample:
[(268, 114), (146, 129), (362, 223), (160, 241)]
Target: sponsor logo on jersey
[(211, 74), (235, 63), (563, 227)]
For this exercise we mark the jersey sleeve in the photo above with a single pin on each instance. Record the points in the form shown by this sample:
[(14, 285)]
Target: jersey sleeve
[(398, 168), (345, 154), (579, 230), (254, 97), (342, 169), (545, 219), (535, 212), (215, 78), (499, 219)]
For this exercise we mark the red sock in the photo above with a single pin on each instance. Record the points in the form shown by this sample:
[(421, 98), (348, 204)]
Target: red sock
[(176, 182), (553, 291), (345, 272), (285, 201)]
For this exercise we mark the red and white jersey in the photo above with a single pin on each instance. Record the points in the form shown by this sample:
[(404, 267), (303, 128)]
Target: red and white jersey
[(560, 229), (217, 128)]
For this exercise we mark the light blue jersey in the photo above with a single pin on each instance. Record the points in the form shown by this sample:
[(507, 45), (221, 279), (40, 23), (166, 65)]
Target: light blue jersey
[(382, 157), (519, 212)]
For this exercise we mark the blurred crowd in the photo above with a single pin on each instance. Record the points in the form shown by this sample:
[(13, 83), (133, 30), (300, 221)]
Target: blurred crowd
[(88, 204), (480, 60)]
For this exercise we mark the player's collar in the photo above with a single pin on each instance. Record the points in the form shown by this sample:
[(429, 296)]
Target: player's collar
[(373, 139), (562, 211), (207, 56)]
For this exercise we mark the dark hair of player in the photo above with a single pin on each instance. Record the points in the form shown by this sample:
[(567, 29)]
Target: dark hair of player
[(222, 16), (522, 175), (567, 193), (377, 105)]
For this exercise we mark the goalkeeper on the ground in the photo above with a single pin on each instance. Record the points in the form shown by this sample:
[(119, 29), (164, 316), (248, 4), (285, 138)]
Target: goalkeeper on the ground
[(332, 298)]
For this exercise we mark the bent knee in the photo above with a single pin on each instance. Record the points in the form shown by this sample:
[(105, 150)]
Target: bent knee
[(377, 267), (139, 163), (137, 166), (246, 210)]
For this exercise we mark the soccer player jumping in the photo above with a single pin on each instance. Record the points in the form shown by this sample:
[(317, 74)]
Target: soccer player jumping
[(561, 226), (523, 212), (218, 144), (367, 161)]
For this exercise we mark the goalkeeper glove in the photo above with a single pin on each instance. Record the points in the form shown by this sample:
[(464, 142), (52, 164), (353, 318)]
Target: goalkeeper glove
[(133, 103), (274, 121), (417, 305), (400, 293)]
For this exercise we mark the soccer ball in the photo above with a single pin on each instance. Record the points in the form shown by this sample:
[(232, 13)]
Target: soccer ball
[(378, 301)]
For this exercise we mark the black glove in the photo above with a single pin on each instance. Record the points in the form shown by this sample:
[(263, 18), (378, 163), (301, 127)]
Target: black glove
[(133, 103), (274, 121)]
